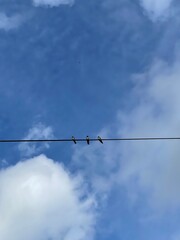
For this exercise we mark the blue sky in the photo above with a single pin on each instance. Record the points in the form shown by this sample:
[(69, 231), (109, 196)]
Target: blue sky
[(108, 67)]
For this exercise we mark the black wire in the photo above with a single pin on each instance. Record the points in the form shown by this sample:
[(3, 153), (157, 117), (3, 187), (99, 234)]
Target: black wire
[(84, 139)]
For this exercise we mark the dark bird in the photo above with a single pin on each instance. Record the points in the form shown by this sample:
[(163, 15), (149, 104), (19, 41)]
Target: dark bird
[(100, 139), (74, 140), (87, 139)]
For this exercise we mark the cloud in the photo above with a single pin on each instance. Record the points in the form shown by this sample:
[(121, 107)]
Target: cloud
[(149, 169), (154, 166), (9, 23), (97, 162), (52, 3), (40, 200), (39, 131), (156, 9), (3, 163)]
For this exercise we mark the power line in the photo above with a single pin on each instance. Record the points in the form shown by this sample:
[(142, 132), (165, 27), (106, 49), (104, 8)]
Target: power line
[(75, 140)]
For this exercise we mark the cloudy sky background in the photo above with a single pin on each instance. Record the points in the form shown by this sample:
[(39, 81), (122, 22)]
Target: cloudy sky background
[(108, 68)]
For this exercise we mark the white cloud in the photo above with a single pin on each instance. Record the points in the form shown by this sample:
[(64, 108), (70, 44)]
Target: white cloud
[(9, 23), (52, 3), (39, 131), (40, 200), (148, 168), (156, 8), (154, 166), (98, 163)]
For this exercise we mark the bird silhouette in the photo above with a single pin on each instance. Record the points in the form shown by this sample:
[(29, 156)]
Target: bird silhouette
[(74, 140), (87, 140), (100, 139)]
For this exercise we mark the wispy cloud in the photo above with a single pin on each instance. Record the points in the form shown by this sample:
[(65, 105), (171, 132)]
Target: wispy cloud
[(154, 166), (3, 163), (151, 168), (12, 22), (156, 9), (52, 3), (39, 199), (99, 164), (39, 131)]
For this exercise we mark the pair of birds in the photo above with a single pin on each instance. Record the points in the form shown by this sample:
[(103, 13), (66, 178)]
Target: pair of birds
[(87, 139)]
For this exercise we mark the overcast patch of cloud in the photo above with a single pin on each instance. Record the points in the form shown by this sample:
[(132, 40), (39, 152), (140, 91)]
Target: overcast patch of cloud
[(52, 3), (156, 9), (12, 22), (40, 200), (39, 131)]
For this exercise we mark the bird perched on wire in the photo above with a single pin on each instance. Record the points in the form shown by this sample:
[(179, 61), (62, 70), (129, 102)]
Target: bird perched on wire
[(74, 140), (100, 139), (87, 139)]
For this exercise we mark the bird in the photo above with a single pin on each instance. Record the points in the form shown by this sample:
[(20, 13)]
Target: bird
[(87, 139), (100, 139), (74, 140)]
